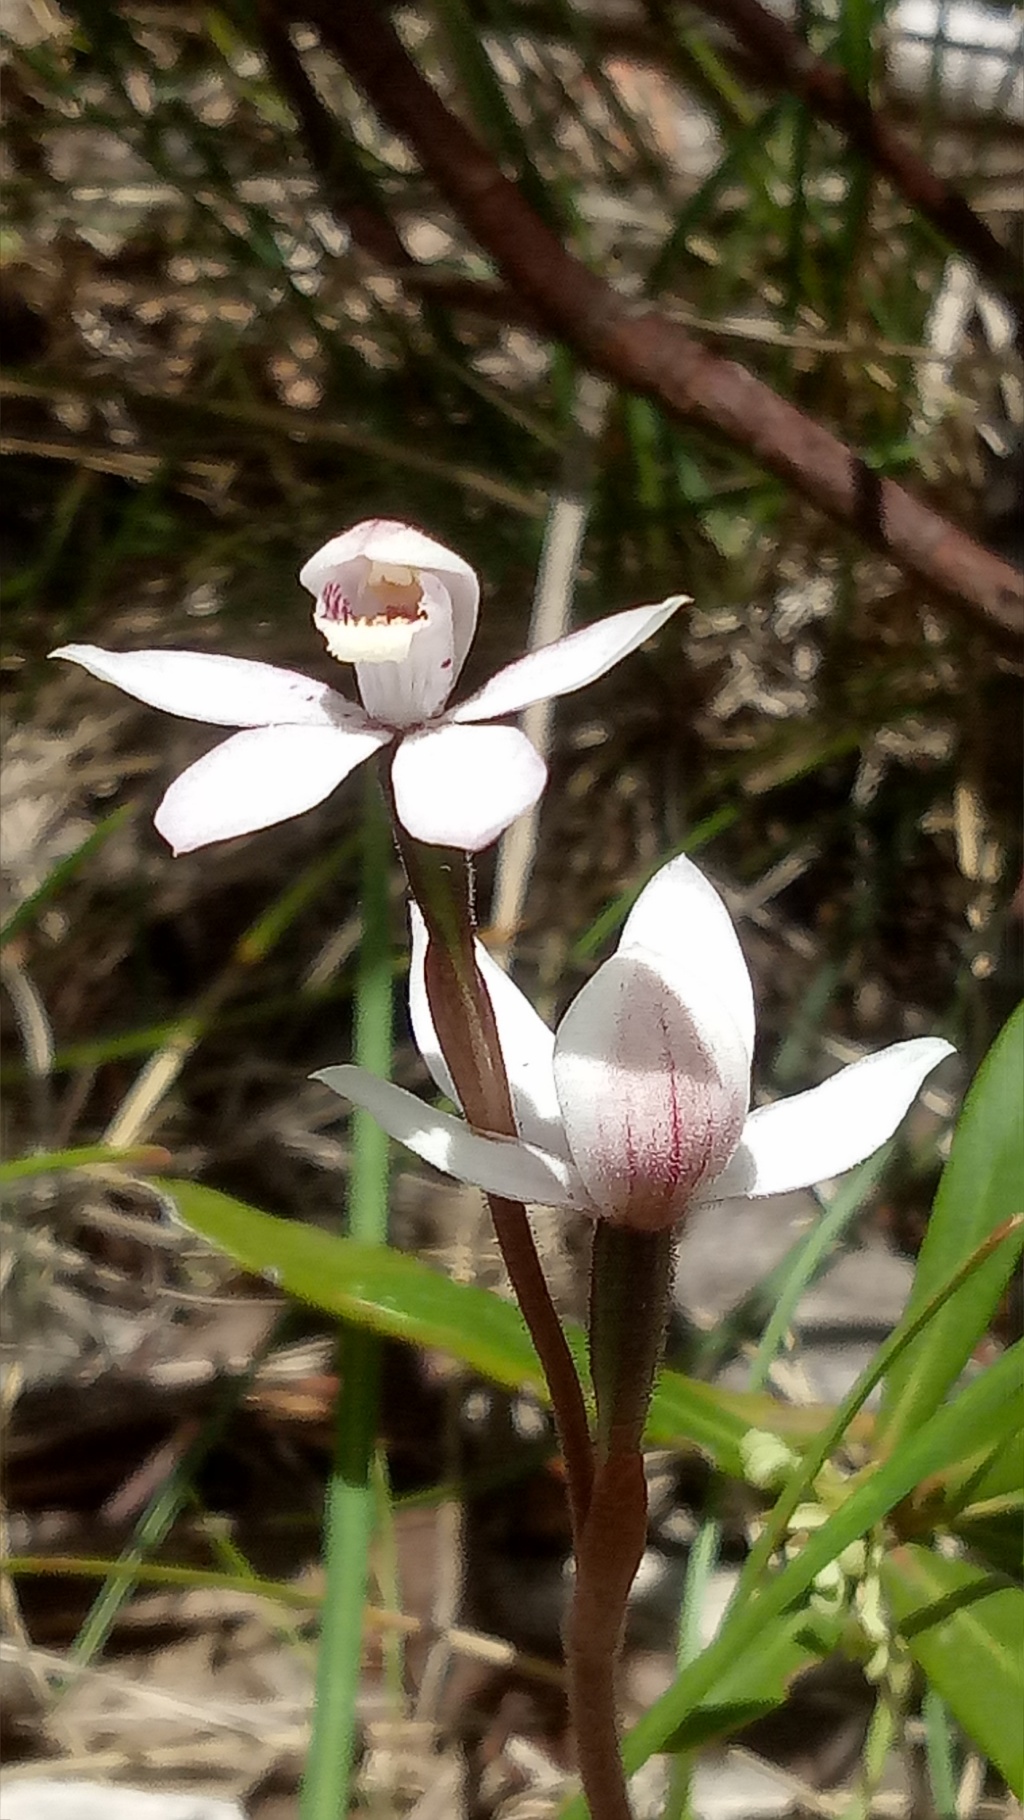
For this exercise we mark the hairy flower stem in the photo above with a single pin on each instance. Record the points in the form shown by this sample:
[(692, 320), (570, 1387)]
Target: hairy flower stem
[(629, 1286), (441, 883), (630, 1274)]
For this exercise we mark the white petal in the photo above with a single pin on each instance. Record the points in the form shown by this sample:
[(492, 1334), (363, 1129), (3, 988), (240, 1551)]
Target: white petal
[(413, 687), (815, 1135), (680, 915), (257, 778), (224, 691), (497, 1165), (570, 663), (527, 1045), (462, 786), (653, 1089), (385, 540)]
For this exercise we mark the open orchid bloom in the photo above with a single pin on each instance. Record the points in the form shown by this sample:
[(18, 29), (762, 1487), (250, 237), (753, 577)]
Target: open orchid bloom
[(402, 609), (637, 1107)]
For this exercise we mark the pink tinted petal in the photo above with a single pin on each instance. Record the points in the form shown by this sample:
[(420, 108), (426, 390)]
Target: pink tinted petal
[(527, 1045), (224, 691), (462, 786), (257, 778), (497, 1165), (385, 540), (681, 917), (815, 1135), (653, 1090), (568, 664)]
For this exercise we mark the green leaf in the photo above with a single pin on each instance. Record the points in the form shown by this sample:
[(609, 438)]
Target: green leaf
[(350, 1503), (402, 1298), (965, 1628), (759, 1680), (370, 1285), (982, 1186)]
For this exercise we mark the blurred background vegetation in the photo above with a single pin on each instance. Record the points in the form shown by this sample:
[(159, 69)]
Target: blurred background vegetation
[(238, 317)]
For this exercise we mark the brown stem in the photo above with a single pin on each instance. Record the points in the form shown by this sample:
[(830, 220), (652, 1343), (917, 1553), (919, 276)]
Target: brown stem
[(629, 1287), (630, 1278), (607, 1557), (463, 1016), (643, 351)]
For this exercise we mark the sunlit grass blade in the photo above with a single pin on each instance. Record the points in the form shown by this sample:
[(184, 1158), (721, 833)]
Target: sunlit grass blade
[(400, 1297), (810, 1256), (20, 1169), (938, 1745), (1007, 1242)]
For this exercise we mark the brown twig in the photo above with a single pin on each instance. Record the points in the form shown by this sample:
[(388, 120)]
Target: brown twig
[(639, 349), (783, 61)]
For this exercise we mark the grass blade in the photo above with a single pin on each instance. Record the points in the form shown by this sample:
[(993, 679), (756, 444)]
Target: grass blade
[(351, 1502)]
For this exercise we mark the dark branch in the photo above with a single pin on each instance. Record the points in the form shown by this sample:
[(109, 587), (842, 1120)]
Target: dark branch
[(640, 350)]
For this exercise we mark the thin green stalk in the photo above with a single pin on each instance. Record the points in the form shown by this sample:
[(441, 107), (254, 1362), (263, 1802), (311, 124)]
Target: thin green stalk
[(808, 1257), (700, 1567), (350, 1501), (939, 1751)]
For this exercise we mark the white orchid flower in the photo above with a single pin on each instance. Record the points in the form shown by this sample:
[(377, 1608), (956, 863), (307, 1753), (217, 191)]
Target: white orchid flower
[(402, 609), (637, 1108)]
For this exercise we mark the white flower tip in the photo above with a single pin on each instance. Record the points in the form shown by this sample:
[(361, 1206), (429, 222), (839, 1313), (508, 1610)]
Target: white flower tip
[(330, 1077), (931, 1050), (659, 614), (178, 843)]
